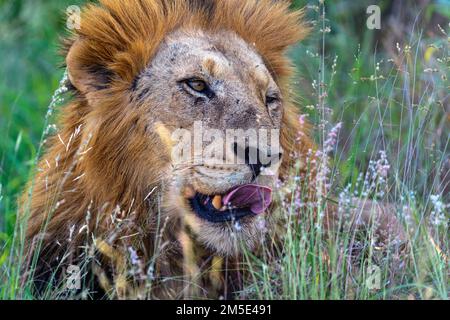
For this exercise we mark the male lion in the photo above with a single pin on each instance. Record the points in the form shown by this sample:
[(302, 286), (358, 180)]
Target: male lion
[(108, 186)]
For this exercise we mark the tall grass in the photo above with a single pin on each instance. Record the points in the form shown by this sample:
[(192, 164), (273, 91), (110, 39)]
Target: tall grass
[(399, 105), (381, 118)]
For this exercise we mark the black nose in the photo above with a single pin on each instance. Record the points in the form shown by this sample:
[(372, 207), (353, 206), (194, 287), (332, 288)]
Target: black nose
[(253, 159)]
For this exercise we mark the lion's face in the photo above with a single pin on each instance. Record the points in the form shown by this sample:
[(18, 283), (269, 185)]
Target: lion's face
[(201, 81)]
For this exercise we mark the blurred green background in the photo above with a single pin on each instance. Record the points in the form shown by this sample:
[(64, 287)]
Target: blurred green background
[(384, 96)]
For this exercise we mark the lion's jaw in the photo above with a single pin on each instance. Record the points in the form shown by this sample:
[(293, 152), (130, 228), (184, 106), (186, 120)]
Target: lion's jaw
[(238, 86)]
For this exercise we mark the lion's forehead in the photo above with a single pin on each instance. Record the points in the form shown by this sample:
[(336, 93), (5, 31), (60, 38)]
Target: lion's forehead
[(221, 55)]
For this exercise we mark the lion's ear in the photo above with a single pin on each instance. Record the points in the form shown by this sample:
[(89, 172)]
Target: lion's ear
[(86, 71)]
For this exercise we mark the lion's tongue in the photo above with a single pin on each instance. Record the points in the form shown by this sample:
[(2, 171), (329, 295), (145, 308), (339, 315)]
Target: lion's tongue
[(258, 198)]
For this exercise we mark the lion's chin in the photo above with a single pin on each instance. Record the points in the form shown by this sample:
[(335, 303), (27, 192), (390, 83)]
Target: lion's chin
[(226, 230), (230, 238)]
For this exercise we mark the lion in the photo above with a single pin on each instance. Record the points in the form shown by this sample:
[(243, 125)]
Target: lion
[(109, 186)]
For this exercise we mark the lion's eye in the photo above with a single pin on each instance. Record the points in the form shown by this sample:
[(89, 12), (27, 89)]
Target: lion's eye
[(197, 85), (271, 99)]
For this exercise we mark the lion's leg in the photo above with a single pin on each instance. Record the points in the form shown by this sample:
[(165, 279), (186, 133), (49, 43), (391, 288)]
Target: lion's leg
[(363, 214)]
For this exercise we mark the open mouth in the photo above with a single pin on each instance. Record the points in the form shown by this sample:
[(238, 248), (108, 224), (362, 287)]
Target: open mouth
[(239, 202)]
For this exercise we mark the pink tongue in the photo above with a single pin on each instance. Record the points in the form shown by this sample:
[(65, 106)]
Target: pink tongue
[(258, 198)]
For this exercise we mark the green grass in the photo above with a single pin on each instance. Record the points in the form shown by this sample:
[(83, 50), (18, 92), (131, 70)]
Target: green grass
[(391, 100)]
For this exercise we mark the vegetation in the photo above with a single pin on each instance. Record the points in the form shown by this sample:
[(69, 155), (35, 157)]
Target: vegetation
[(379, 103)]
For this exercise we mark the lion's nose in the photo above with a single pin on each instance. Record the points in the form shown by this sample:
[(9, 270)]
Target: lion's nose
[(253, 158)]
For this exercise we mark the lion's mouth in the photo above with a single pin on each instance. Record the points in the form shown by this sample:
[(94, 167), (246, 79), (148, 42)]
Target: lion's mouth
[(239, 202)]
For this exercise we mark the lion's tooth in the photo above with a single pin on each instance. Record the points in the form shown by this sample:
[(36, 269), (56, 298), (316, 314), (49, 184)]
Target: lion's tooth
[(217, 202), (189, 192)]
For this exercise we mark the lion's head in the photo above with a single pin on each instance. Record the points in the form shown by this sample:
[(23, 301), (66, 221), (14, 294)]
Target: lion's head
[(144, 71), (168, 66)]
